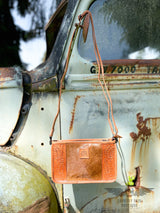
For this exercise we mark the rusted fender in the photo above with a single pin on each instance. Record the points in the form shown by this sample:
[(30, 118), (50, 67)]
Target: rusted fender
[(23, 187)]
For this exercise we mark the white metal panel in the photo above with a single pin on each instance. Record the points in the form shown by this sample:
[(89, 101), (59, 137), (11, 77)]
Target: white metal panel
[(11, 95), (33, 142), (84, 115)]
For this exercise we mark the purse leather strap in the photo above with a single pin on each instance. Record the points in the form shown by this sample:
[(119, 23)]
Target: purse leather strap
[(88, 16)]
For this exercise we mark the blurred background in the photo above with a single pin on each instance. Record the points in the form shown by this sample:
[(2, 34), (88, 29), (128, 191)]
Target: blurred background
[(22, 34)]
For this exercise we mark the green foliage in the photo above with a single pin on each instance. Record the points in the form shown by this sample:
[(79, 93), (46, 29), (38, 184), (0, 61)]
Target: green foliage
[(9, 40), (130, 181), (10, 34), (140, 20)]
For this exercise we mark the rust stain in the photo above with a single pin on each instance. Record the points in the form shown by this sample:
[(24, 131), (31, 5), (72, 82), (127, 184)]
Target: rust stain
[(144, 150), (6, 74), (41, 205), (108, 203), (143, 142), (73, 113), (139, 62), (129, 199), (126, 65), (143, 131), (137, 180), (16, 147), (133, 155), (140, 141), (86, 204), (45, 85), (118, 79)]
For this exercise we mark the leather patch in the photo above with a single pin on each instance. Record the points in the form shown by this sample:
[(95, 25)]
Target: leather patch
[(109, 161), (59, 161), (84, 168), (84, 152)]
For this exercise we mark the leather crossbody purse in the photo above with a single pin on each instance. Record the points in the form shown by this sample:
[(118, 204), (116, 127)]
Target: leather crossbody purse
[(85, 160)]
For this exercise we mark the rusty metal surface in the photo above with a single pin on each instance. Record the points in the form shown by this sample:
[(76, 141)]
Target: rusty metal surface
[(19, 192), (10, 77), (140, 144), (41, 205), (143, 131), (45, 86), (73, 113), (113, 81), (139, 62), (7, 73), (130, 200), (130, 66)]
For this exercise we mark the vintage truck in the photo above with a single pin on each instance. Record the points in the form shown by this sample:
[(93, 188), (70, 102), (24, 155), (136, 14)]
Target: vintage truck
[(127, 34)]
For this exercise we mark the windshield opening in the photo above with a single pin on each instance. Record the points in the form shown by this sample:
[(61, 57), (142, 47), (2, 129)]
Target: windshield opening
[(125, 29)]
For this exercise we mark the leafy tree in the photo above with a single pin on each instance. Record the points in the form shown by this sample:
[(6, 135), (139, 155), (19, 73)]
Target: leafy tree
[(58, 2), (139, 20), (10, 34)]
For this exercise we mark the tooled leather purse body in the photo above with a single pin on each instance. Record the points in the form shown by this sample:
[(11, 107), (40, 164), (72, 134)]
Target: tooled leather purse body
[(85, 160)]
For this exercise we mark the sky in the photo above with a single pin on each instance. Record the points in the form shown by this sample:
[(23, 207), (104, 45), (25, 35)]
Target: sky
[(32, 52), (146, 53)]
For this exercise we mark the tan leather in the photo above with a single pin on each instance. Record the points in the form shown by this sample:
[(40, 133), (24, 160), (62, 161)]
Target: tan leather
[(84, 161)]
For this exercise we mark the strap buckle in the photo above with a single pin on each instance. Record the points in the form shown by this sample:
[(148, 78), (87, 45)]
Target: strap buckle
[(50, 140)]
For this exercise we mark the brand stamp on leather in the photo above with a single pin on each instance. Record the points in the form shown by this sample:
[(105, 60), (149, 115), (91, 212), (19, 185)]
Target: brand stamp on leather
[(84, 153)]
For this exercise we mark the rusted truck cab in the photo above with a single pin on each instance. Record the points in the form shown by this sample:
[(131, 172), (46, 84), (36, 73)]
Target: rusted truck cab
[(128, 40)]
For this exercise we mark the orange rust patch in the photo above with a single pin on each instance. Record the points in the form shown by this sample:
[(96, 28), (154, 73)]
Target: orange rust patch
[(133, 153), (143, 130), (141, 138), (143, 142), (139, 62), (73, 113), (40, 206), (6, 74), (137, 180)]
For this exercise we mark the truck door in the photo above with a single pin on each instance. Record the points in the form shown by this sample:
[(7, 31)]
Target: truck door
[(128, 40)]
